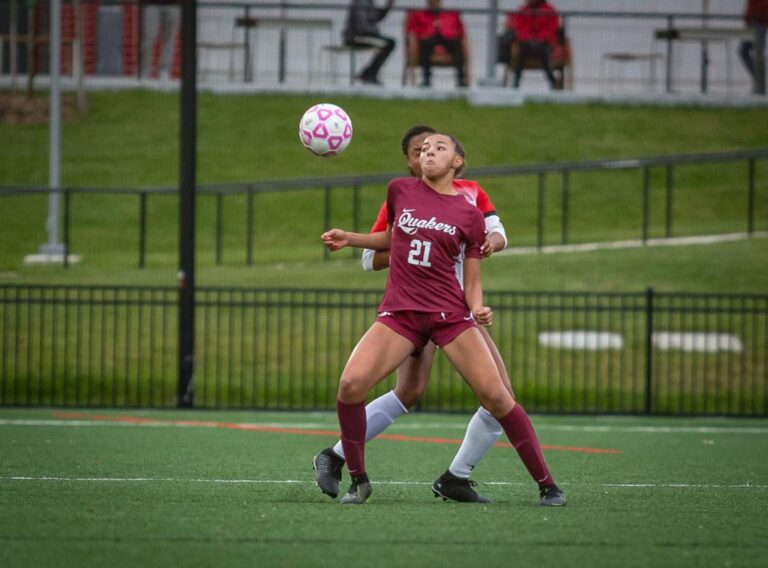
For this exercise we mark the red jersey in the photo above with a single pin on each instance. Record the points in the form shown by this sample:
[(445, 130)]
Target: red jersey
[(471, 191), (429, 23), (537, 23), (431, 234), (757, 12)]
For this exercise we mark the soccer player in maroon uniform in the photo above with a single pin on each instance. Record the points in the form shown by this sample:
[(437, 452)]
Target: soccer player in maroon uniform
[(413, 375), (430, 229)]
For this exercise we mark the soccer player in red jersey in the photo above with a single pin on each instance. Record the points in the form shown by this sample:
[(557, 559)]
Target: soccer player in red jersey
[(413, 375), (430, 228)]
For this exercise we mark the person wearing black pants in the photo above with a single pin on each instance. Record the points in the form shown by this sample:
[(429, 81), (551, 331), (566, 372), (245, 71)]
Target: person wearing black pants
[(361, 30)]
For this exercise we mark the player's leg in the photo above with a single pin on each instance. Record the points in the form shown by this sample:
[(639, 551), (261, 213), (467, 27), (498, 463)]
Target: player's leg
[(412, 379), (472, 358), (378, 353), (482, 433)]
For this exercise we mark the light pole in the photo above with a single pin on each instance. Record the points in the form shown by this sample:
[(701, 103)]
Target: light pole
[(54, 246)]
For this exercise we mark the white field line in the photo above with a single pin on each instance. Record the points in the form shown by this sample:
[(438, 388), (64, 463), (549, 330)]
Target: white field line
[(43, 478), (402, 426), (636, 243)]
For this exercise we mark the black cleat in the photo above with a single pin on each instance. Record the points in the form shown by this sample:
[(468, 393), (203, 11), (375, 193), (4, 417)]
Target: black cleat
[(358, 492), (448, 486), (552, 496), (327, 466)]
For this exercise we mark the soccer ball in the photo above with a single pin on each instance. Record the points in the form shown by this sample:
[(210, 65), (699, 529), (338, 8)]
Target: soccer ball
[(325, 130)]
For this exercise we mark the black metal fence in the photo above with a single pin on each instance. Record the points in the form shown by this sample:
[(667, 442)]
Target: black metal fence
[(284, 349), (655, 202)]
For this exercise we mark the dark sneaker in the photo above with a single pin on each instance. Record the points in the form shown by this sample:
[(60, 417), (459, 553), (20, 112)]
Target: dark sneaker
[(327, 466), (358, 492), (448, 486), (551, 496)]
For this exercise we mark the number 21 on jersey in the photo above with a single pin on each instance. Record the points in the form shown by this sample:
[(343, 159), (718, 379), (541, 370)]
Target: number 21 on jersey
[(419, 254)]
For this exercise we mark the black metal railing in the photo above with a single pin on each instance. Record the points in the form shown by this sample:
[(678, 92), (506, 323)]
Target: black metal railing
[(656, 213), (284, 349)]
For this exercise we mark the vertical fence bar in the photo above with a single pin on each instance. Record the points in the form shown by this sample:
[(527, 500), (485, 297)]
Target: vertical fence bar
[(219, 227), (65, 259), (668, 59), (646, 202), (249, 229), (668, 212), (355, 215), (565, 208), (649, 351), (326, 216), (247, 63), (750, 196), (540, 208), (142, 227)]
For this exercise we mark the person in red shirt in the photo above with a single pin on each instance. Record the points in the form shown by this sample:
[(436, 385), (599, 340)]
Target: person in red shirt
[(437, 27), (753, 52), (430, 228), (535, 26)]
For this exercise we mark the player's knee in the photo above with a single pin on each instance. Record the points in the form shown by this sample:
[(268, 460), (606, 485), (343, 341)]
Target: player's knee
[(411, 394), (351, 389), (497, 401)]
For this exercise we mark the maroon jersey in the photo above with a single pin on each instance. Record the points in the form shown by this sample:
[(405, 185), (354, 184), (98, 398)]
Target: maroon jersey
[(430, 233)]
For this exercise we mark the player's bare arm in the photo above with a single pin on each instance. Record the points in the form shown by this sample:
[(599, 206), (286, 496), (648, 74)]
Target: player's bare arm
[(473, 292), (336, 239)]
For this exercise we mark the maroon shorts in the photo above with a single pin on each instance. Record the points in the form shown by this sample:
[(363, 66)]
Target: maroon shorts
[(420, 327)]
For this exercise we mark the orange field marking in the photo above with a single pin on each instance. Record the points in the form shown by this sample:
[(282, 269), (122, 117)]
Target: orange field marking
[(304, 431)]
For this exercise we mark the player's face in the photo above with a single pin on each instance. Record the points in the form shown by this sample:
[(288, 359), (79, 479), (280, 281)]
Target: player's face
[(414, 153), (438, 156)]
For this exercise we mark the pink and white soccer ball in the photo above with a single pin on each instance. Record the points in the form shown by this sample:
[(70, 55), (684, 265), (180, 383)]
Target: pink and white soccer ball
[(325, 130)]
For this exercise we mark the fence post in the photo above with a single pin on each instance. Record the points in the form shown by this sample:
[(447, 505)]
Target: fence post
[(649, 351), (249, 230), (668, 59), (750, 196), (646, 202), (326, 217), (540, 221), (142, 227), (564, 216), (668, 212), (65, 259), (355, 215), (219, 226)]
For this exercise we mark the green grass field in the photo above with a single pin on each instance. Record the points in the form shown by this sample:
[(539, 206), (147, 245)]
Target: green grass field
[(236, 489), (129, 139)]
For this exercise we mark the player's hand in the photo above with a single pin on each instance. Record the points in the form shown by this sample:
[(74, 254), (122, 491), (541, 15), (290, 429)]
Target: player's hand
[(487, 249), (334, 239), (484, 316)]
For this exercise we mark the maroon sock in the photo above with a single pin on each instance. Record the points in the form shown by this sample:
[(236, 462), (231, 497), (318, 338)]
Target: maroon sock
[(353, 424), (520, 432)]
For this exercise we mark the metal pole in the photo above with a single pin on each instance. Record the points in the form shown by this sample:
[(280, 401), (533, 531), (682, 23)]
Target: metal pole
[(540, 217), (142, 227), (187, 197), (750, 196), (490, 59), (649, 351), (13, 41), (646, 202), (54, 246), (668, 212), (326, 217)]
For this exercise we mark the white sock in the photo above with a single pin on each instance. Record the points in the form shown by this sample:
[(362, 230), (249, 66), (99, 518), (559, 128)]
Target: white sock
[(482, 432), (380, 414)]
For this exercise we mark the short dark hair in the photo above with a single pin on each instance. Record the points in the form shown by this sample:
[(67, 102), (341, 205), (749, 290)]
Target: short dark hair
[(412, 132)]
